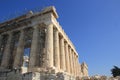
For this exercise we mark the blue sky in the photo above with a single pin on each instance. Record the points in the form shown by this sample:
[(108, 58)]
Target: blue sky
[(92, 25)]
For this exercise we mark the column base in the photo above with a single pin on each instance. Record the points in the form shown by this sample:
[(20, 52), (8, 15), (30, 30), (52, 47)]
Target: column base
[(11, 75), (40, 69), (48, 76)]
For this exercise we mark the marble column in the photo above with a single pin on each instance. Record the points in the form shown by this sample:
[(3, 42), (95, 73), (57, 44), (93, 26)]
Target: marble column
[(56, 49), (34, 48), (67, 58), (49, 46), (0, 40), (73, 62), (0, 48), (19, 51), (62, 50), (76, 67), (7, 54), (70, 54)]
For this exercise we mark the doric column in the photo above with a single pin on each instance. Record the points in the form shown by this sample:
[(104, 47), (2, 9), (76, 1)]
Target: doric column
[(67, 58), (19, 51), (76, 67), (0, 48), (0, 40), (62, 54), (71, 71), (73, 62), (6, 54), (34, 48), (77, 64), (56, 49), (49, 46)]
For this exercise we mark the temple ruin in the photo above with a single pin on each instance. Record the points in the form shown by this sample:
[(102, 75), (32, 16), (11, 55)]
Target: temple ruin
[(35, 44)]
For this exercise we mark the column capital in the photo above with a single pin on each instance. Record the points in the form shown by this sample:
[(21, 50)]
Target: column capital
[(50, 24), (36, 27), (55, 29), (66, 44), (9, 32)]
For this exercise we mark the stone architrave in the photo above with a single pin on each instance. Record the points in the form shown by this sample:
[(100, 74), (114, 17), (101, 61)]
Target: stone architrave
[(34, 48), (20, 51), (6, 54), (49, 46), (56, 49)]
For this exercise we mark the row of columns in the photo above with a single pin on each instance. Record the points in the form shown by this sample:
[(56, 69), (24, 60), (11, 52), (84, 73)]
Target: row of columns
[(20, 50), (6, 56), (64, 57), (34, 49), (7, 51), (58, 51)]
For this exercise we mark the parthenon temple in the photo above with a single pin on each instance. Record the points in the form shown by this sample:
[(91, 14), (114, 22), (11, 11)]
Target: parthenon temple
[(36, 43)]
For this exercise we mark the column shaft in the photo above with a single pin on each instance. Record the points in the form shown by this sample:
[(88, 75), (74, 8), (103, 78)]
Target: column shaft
[(67, 58), (73, 62), (79, 69), (0, 40), (34, 48), (77, 64), (19, 51), (56, 50), (0, 49), (6, 54), (62, 48), (49, 46), (70, 60), (76, 67)]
